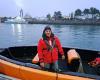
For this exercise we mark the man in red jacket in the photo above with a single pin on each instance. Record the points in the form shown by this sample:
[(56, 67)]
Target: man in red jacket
[(48, 47)]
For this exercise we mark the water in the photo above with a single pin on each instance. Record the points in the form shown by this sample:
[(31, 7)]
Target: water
[(73, 36)]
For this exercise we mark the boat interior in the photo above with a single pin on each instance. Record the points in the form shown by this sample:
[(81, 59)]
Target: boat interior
[(23, 56)]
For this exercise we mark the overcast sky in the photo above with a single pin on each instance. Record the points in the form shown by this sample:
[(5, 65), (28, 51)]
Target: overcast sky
[(40, 8)]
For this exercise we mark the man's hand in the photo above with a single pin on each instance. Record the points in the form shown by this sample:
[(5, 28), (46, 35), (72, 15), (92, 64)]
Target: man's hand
[(42, 64), (63, 57)]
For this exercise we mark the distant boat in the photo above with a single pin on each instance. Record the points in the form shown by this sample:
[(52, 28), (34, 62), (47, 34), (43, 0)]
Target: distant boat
[(17, 20)]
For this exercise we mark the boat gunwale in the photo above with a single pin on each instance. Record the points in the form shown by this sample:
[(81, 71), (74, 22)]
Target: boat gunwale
[(32, 66), (83, 75)]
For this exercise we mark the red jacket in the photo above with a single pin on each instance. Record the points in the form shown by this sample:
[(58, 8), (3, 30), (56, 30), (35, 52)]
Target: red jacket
[(46, 55)]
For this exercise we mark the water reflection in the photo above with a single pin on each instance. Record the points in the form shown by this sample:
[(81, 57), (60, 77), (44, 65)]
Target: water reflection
[(13, 29), (74, 36), (19, 28), (17, 31)]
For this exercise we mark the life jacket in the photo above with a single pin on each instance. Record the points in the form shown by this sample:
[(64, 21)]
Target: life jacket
[(72, 55), (95, 62)]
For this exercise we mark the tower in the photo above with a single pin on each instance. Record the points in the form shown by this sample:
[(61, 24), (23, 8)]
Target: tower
[(21, 13)]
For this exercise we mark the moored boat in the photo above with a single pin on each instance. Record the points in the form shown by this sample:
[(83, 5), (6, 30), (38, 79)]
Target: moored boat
[(17, 20), (17, 62)]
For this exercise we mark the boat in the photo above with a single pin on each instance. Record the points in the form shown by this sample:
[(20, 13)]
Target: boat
[(17, 20), (17, 62)]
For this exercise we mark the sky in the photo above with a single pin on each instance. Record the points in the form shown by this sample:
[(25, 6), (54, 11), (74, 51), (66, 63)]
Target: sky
[(40, 8)]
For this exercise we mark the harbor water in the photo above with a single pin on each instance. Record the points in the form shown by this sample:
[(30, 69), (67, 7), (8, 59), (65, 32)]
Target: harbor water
[(73, 36)]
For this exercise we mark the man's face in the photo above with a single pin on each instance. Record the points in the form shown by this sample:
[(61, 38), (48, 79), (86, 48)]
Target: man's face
[(48, 33)]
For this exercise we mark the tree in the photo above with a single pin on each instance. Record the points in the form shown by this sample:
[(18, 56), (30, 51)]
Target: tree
[(86, 12), (57, 15), (78, 12), (48, 16), (3, 19), (71, 16), (99, 14), (93, 11), (97, 11)]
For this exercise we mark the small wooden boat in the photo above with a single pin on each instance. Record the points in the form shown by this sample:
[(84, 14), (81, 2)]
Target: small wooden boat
[(17, 62)]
